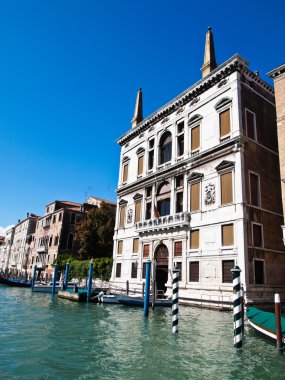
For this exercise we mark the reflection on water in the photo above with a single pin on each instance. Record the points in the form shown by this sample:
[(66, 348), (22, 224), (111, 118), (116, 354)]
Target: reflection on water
[(46, 338)]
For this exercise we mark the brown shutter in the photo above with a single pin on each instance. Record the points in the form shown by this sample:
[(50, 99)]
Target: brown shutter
[(194, 239), (134, 273), (227, 266), (118, 270), (195, 138), (194, 271), (125, 173), (122, 216), (146, 250), (225, 123), (226, 188), (135, 245), (178, 248), (195, 197), (138, 211), (120, 247), (228, 234), (140, 165)]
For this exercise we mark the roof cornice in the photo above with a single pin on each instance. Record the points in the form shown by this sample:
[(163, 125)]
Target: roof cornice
[(235, 63)]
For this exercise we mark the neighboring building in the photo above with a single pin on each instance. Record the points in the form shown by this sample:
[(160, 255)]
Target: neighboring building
[(278, 75), (199, 189), (8, 241), (2, 260), (18, 255), (98, 201)]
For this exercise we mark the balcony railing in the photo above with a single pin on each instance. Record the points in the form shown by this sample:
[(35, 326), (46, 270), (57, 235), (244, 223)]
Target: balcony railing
[(42, 249), (164, 222)]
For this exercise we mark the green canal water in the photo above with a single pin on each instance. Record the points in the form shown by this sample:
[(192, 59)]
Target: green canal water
[(45, 338)]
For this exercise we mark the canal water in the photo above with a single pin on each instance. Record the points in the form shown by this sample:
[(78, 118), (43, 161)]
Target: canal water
[(45, 338)]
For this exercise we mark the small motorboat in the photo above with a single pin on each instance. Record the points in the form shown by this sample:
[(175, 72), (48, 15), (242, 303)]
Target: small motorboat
[(139, 301), (264, 322), (107, 298), (16, 282)]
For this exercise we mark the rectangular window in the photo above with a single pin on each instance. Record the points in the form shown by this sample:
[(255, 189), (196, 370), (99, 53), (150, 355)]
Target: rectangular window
[(250, 124), (151, 154), (179, 202), (259, 273), (178, 248), (179, 267), (195, 138), (257, 235), (254, 189), (179, 181), (227, 265), (125, 172), (227, 234), (136, 245), (118, 270), (134, 272), (194, 271), (226, 188), (122, 216), (149, 191), (146, 250), (194, 239), (120, 247), (72, 218), (225, 123), (144, 270), (140, 165), (180, 144), (195, 197), (138, 211), (148, 211)]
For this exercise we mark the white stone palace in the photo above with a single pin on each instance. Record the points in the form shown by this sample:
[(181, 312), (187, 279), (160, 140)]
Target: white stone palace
[(199, 188)]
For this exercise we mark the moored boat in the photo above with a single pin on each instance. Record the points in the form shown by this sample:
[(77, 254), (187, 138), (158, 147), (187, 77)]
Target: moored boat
[(264, 322), (16, 282), (139, 301)]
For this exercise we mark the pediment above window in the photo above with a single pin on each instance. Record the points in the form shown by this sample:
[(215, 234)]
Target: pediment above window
[(225, 165), (223, 102), (140, 151), (137, 197), (195, 119), (126, 159), (195, 176), (123, 202)]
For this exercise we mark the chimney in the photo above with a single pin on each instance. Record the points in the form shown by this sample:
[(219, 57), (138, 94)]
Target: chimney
[(209, 57), (138, 114), (28, 214)]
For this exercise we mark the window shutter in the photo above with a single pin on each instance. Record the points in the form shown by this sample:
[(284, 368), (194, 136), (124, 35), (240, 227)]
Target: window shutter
[(195, 197), (195, 138), (120, 247), (194, 242), (125, 173), (135, 245), (225, 123), (194, 271), (146, 250), (140, 165), (122, 216), (226, 188), (227, 266), (178, 248), (228, 234), (138, 211)]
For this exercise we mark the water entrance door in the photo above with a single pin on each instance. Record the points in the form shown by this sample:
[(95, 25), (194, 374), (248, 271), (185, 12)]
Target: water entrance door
[(161, 273)]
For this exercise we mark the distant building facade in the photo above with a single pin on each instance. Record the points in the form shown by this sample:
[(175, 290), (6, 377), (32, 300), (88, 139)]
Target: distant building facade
[(278, 75), (198, 189)]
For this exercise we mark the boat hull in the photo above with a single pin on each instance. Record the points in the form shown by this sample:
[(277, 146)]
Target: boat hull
[(138, 301), (15, 282)]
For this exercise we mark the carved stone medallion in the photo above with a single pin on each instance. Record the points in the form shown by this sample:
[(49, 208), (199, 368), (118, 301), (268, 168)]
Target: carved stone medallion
[(210, 194)]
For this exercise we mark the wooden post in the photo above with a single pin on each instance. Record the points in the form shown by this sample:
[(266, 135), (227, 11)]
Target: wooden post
[(127, 287), (279, 343), (54, 278), (147, 287), (89, 288)]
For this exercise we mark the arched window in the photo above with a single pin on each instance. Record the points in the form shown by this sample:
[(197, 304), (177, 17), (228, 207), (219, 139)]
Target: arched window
[(165, 146), (163, 199), (70, 241)]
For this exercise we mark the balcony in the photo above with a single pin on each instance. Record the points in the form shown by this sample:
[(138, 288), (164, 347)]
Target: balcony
[(42, 249), (168, 222)]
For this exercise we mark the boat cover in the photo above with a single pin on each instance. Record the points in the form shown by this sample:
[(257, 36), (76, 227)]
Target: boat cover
[(264, 319)]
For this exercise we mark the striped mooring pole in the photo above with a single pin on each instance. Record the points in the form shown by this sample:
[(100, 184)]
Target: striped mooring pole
[(89, 288), (54, 278), (175, 287), (66, 275), (34, 277), (238, 307), (146, 289)]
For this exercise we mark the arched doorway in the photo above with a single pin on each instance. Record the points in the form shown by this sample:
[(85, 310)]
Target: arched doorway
[(161, 268)]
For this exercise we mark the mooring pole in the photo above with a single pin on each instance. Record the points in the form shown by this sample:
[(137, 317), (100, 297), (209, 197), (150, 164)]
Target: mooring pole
[(175, 288), (279, 343), (143, 286), (54, 278), (34, 277), (127, 287), (153, 294), (66, 275), (147, 287), (237, 305), (89, 288)]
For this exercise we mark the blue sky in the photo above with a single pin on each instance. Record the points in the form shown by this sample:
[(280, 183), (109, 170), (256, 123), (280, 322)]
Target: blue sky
[(69, 75)]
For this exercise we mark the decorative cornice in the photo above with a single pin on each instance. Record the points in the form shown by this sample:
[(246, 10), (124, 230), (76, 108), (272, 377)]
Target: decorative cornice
[(125, 159), (225, 165), (277, 72), (194, 176), (137, 197), (123, 202), (140, 151), (195, 119), (222, 103), (235, 63)]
